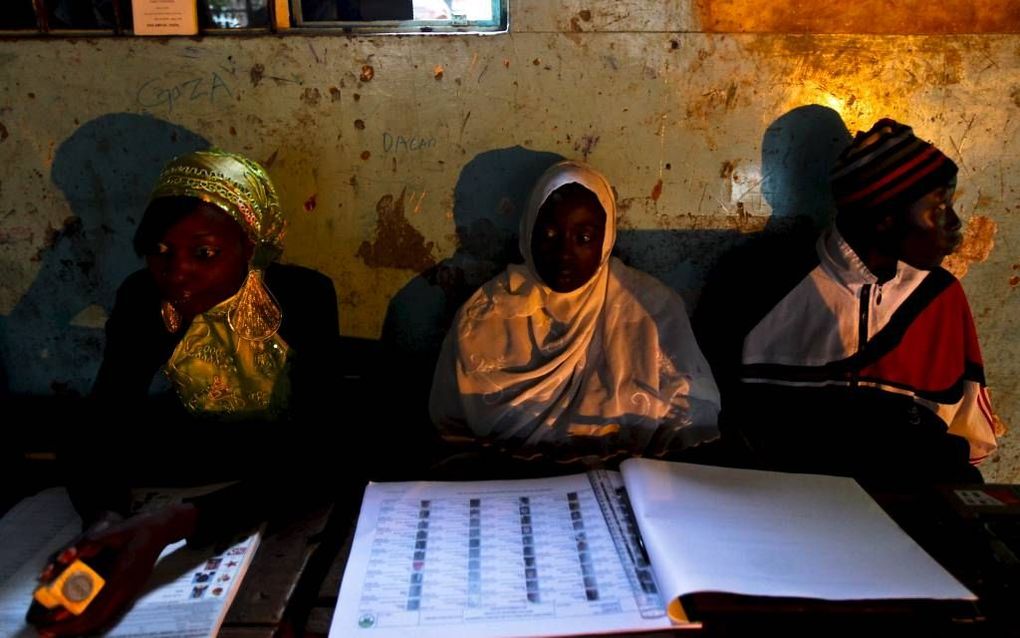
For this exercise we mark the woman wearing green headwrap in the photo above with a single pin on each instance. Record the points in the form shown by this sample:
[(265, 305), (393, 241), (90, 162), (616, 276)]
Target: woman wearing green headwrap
[(246, 347)]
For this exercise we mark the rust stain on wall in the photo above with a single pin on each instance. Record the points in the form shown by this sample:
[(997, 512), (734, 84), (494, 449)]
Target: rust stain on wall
[(657, 191), (948, 70), (708, 103), (586, 145), (3, 133), (367, 73), (575, 26), (861, 17), (311, 96), (731, 94), (397, 244), (978, 242), (727, 169), (257, 72)]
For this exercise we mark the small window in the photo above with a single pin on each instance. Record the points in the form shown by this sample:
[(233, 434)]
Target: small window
[(401, 15), (86, 14), (68, 18), (234, 14), (65, 17), (19, 14)]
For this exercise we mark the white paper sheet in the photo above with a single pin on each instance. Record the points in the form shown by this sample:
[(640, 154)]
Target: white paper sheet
[(713, 529), (188, 595), (487, 559)]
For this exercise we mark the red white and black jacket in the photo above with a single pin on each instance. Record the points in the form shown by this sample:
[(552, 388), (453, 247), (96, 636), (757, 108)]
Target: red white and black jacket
[(912, 335)]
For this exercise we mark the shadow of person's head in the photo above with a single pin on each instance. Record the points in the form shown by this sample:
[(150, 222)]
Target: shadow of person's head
[(489, 198), (797, 152), (105, 170)]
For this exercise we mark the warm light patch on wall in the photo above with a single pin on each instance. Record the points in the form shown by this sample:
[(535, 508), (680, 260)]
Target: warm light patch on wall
[(858, 104), (859, 16), (863, 80)]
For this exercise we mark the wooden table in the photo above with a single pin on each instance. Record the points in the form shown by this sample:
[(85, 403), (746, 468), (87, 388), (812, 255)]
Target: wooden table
[(280, 563)]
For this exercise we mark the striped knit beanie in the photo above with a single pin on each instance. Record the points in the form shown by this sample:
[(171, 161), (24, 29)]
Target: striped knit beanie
[(887, 169)]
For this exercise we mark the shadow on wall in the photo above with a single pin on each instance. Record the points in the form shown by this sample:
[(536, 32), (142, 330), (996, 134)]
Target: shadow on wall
[(52, 341), (798, 151), (489, 198), (107, 167), (491, 192)]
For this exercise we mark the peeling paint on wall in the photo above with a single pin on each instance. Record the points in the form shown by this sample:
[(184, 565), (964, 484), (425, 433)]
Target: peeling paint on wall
[(656, 191), (977, 245), (311, 96), (396, 243)]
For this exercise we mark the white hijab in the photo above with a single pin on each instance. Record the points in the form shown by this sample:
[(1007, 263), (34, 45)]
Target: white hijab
[(610, 368)]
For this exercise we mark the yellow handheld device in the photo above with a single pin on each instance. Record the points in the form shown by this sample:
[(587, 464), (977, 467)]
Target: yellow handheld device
[(73, 589)]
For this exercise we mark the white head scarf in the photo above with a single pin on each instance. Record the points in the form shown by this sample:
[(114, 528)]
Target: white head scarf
[(610, 368)]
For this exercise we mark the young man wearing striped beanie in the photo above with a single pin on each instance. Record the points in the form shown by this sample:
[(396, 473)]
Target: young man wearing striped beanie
[(870, 366)]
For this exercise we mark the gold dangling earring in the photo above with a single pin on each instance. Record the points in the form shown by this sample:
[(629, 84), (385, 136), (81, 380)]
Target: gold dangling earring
[(171, 317), (255, 315)]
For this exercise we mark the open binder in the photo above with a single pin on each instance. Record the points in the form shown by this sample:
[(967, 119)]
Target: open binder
[(608, 552)]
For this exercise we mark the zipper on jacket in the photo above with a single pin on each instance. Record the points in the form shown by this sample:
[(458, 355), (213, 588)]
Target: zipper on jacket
[(862, 322), (862, 317)]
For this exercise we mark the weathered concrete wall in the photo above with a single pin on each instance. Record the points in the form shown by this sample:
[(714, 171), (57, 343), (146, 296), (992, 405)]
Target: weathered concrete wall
[(404, 161)]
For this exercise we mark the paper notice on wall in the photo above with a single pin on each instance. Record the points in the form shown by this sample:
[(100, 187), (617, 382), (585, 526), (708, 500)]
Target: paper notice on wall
[(165, 17)]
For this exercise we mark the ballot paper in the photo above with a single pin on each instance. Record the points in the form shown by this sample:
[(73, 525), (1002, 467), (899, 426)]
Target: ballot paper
[(608, 552), (187, 596)]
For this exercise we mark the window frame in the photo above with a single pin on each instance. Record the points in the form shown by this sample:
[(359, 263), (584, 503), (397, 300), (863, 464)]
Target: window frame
[(499, 24), (280, 24)]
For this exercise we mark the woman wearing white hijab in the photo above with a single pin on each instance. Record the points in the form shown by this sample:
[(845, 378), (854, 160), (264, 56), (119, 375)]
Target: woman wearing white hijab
[(573, 356)]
